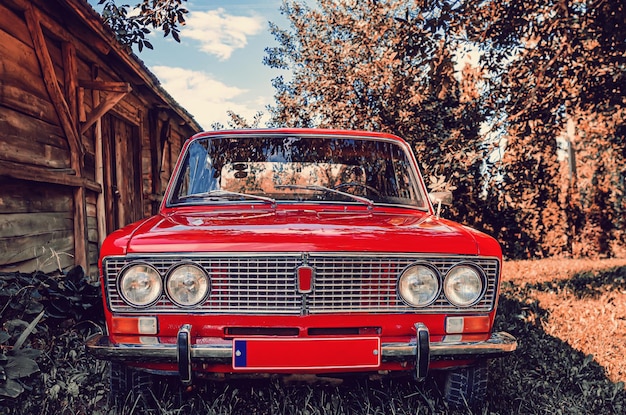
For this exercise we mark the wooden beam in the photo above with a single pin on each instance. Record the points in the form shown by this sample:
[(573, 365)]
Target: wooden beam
[(81, 105), (100, 202), (81, 250), (102, 108), (70, 69), (155, 156), (118, 90), (46, 175), (52, 86), (106, 86), (68, 124)]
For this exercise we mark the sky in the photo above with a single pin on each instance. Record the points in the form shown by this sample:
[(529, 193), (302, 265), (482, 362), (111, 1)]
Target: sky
[(218, 65)]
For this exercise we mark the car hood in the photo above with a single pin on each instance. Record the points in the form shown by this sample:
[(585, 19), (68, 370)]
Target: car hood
[(297, 230)]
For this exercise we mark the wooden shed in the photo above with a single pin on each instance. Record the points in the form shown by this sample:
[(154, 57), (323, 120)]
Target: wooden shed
[(88, 137)]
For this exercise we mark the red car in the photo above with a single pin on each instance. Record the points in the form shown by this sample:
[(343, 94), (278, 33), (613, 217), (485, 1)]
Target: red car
[(300, 251)]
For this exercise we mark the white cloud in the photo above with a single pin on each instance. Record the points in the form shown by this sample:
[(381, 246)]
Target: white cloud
[(220, 33), (206, 98)]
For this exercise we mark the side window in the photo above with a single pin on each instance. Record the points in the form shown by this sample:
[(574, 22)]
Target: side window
[(198, 173)]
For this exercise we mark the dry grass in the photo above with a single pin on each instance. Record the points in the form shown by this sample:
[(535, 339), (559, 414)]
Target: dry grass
[(555, 269), (568, 315), (585, 305), (568, 318)]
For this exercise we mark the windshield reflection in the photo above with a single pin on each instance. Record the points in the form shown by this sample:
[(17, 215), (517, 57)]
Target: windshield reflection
[(297, 168)]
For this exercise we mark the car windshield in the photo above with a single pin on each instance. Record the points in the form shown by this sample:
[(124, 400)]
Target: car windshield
[(291, 168)]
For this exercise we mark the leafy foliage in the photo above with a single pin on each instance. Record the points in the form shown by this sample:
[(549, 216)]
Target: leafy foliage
[(530, 140), (237, 121), (386, 66), (554, 65), (28, 301), (497, 133), (131, 24)]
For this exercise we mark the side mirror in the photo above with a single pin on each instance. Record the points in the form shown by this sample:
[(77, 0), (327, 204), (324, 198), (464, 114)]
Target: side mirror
[(440, 198)]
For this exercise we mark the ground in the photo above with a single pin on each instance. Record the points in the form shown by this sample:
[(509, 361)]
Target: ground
[(568, 315)]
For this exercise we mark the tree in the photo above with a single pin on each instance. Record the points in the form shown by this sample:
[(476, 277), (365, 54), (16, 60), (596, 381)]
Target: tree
[(237, 121), (131, 24), (497, 134), (551, 63), (386, 66)]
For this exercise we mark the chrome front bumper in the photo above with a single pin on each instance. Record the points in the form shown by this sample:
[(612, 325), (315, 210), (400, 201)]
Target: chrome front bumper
[(419, 350)]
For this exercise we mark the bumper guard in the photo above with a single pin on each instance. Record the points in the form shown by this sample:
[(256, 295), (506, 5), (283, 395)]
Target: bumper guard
[(420, 350)]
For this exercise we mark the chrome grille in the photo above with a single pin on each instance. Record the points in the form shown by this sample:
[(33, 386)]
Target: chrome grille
[(266, 284), (368, 284), (239, 284)]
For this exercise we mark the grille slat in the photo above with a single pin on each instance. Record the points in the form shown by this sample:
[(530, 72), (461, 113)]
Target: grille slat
[(255, 284)]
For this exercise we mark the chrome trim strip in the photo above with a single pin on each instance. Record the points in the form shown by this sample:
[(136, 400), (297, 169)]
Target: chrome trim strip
[(497, 345), (347, 254)]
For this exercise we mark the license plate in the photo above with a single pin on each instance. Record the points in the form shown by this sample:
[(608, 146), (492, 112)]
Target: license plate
[(297, 354)]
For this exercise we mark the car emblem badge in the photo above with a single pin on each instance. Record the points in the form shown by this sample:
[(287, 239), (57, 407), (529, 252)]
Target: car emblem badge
[(304, 279)]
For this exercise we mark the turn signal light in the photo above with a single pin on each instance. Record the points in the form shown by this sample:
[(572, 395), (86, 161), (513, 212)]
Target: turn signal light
[(135, 325), (467, 324)]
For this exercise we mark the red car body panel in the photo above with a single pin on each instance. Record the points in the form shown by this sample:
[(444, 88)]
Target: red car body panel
[(297, 228)]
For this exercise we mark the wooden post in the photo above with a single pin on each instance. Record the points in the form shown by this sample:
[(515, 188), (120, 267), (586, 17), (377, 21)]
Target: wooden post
[(100, 207), (71, 86)]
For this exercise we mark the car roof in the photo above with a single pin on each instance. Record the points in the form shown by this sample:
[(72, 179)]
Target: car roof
[(298, 131)]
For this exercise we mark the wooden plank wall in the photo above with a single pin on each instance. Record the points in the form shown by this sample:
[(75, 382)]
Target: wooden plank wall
[(36, 226), (36, 223), (43, 173), (161, 145)]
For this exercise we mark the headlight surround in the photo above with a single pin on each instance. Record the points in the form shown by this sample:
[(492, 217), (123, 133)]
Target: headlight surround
[(140, 285), (419, 285), (187, 285), (464, 285)]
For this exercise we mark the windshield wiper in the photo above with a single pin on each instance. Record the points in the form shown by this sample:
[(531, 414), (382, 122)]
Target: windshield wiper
[(364, 200), (226, 194)]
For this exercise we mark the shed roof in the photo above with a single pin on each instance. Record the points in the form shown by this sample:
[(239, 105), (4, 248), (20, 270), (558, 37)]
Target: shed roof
[(125, 56)]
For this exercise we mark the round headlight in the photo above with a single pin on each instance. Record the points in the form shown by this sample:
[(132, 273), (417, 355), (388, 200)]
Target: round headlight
[(463, 285), (140, 285), (187, 285), (419, 285)]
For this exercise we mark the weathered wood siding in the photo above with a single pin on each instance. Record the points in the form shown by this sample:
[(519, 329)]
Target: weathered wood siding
[(87, 136), (36, 225)]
